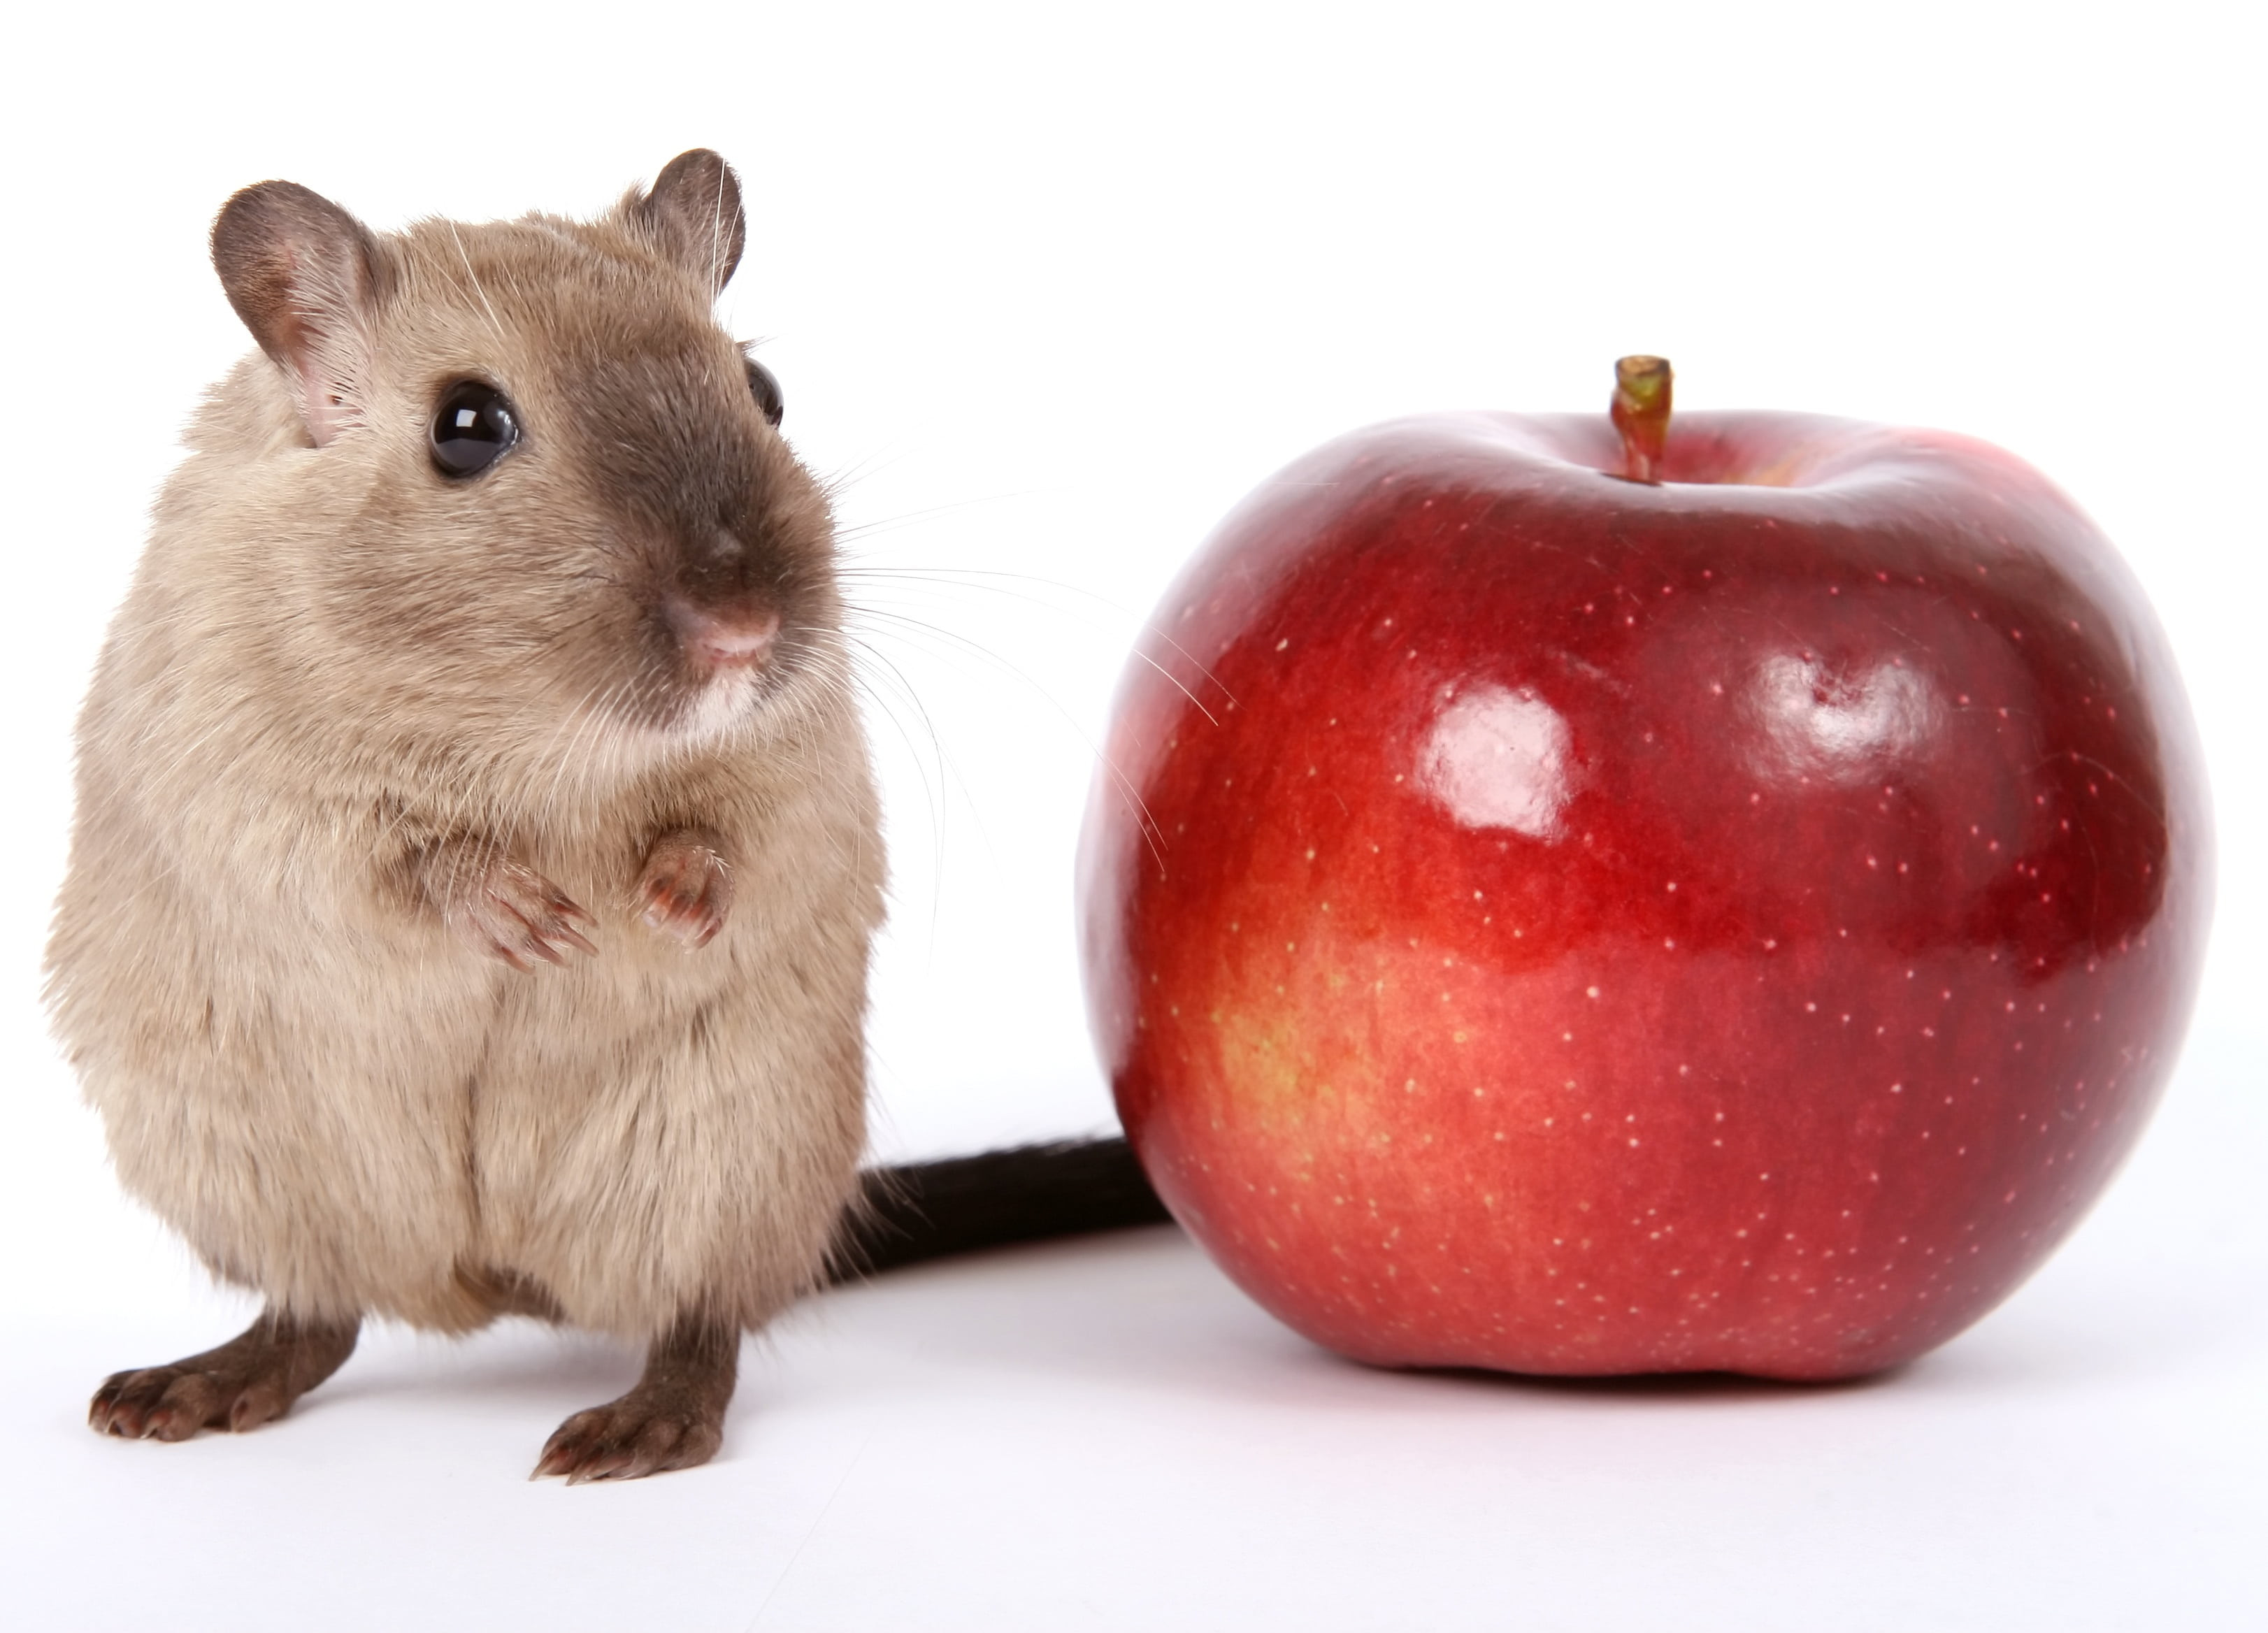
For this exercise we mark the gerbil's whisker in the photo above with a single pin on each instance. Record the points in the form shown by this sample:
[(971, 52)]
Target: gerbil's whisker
[(1095, 750), (850, 532), (957, 576), (475, 278)]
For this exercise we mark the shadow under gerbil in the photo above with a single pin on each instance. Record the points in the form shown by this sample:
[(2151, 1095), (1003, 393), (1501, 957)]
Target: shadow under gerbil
[(518, 1359)]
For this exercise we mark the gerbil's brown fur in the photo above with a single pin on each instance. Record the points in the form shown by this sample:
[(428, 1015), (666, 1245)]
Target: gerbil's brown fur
[(356, 724)]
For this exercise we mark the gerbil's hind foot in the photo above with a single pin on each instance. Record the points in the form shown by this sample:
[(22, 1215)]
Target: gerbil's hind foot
[(250, 1381), (673, 1419), (687, 886)]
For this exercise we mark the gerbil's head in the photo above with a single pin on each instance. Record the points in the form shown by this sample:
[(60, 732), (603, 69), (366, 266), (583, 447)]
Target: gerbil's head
[(520, 490)]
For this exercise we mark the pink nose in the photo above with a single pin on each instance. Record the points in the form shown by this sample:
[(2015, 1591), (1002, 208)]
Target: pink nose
[(742, 639)]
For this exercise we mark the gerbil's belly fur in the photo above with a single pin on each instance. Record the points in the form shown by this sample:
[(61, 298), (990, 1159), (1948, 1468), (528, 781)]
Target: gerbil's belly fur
[(350, 1115)]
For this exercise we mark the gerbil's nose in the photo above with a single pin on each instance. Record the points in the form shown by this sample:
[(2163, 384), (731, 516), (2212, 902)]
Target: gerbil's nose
[(736, 637)]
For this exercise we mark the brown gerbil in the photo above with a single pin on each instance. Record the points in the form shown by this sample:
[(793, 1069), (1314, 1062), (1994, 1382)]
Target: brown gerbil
[(489, 624)]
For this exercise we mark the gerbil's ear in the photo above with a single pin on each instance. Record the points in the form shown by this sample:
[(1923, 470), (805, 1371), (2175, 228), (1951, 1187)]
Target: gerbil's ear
[(304, 275), (693, 216)]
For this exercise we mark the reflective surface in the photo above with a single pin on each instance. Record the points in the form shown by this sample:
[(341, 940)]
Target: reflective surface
[(764, 387), (473, 428), (1581, 926)]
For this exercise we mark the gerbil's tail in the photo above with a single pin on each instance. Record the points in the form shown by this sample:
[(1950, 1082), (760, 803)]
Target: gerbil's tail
[(923, 1210)]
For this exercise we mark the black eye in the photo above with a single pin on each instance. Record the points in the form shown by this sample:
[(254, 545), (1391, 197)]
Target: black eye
[(473, 428), (766, 391)]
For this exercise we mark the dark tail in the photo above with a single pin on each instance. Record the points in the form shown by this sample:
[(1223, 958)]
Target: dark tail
[(924, 1211)]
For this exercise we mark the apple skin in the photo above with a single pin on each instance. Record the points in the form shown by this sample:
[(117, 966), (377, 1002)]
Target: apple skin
[(1538, 921)]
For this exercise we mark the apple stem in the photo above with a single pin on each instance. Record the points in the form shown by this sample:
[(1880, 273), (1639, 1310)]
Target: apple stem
[(1641, 414)]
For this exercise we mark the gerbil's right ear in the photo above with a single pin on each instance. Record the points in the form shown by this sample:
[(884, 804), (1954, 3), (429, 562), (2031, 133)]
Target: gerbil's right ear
[(693, 216), (304, 275)]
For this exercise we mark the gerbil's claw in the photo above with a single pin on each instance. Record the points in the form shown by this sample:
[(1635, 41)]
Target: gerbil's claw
[(249, 1382), (673, 1419), (645, 1432), (153, 1404), (687, 888), (510, 911)]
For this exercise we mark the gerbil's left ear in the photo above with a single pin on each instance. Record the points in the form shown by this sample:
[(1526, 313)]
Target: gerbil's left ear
[(304, 275), (693, 216)]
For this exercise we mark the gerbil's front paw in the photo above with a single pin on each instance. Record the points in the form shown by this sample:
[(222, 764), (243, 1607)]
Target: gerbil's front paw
[(687, 888), (645, 1432), (508, 911)]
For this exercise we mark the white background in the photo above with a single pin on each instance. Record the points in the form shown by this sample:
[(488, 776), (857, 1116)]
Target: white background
[(1051, 287)]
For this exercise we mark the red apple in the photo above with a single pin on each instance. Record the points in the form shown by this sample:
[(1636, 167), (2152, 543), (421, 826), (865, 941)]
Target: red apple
[(1543, 919)]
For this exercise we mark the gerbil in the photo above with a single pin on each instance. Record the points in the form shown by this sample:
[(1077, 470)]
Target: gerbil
[(490, 626)]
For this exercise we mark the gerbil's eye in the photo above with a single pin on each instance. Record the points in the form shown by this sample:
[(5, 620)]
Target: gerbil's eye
[(473, 428), (766, 391)]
